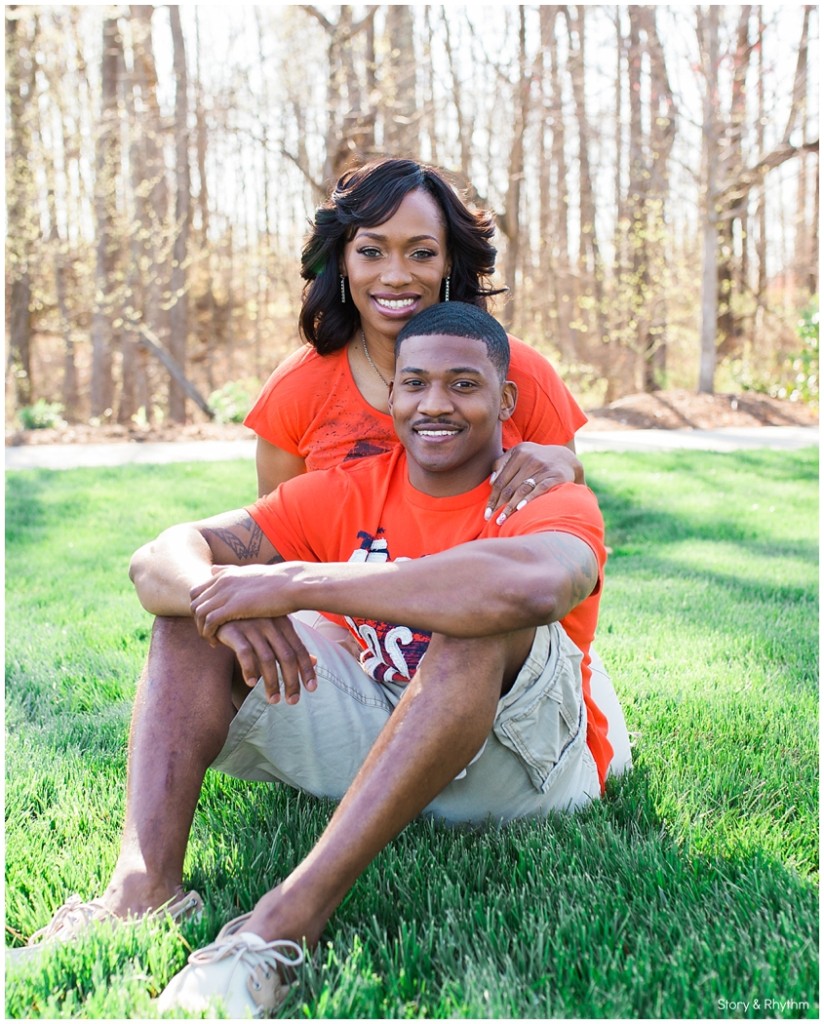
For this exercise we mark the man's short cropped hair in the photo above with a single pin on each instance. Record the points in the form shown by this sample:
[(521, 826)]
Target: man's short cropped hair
[(461, 320)]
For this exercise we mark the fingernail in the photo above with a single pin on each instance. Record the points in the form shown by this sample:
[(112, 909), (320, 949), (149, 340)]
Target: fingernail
[(487, 514), (501, 518), (293, 699), (520, 505), (494, 477)]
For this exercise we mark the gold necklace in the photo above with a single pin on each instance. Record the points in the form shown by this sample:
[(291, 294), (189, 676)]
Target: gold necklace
[(371, 362)]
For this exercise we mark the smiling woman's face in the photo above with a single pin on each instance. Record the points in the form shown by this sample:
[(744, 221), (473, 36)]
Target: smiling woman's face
[(395, 269)]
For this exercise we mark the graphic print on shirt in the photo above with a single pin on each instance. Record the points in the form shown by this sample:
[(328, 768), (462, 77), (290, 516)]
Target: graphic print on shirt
[(392, 652), (363, 449), (331, 442)]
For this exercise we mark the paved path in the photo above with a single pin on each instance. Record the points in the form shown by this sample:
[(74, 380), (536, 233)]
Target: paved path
[(68, 456), (723, 439)]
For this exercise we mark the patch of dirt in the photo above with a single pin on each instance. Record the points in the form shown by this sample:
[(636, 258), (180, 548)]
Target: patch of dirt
[(687, 410), (664, 410), (112, 433)]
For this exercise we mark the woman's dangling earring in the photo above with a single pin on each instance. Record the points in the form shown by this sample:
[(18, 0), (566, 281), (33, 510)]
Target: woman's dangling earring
[(343, 289), (446, 289)]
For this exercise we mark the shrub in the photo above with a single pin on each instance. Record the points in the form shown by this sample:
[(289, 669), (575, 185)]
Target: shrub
[(805, 363), (42, 415), (231, 402), (795, 377)]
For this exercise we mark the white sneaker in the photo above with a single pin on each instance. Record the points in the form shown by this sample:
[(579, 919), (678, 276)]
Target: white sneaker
[(239, 970), (75, 918)]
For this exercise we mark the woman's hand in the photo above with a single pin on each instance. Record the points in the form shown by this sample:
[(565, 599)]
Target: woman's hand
[(528, 470)]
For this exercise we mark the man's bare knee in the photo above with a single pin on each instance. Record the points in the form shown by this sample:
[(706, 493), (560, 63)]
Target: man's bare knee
[(489, 662), (177, 652)]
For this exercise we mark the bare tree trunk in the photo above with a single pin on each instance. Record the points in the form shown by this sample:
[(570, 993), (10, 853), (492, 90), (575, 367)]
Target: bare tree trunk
[(804, 255), (179, 316), (589, 257), (429, 130), (662, 137), (730, 272), (153, 201), (564, 282), (548, 312), (265, 245), (143, 287), (761, 207), (621, 158), (708, 39), (812, 273), (107, 161), (350, 132), (211, 337), (22, 231), (130, 351), (400, 106), (464, 130), (512, 215), (729, 182), (637, 287), (58, 248)]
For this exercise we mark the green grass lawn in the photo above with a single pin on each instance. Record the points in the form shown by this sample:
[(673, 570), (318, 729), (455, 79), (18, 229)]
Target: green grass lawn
[(690, 891)]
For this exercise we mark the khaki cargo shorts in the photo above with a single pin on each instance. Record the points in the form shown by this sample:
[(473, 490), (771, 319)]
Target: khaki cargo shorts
[(534, 760)]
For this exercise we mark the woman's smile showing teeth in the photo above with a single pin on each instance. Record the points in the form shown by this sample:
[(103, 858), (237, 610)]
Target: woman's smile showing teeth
[(386, 303)]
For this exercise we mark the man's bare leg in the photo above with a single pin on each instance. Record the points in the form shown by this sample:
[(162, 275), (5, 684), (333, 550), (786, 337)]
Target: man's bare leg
[(439, 725), (180, 720)]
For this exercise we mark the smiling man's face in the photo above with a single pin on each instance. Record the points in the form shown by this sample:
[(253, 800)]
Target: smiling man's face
[(448, 402)]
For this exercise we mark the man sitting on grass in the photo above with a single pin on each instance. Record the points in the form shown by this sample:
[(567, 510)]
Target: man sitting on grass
[(470, 700)]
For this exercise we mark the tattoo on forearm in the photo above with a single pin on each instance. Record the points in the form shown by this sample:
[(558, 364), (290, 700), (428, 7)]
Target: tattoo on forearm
[(244, 549)]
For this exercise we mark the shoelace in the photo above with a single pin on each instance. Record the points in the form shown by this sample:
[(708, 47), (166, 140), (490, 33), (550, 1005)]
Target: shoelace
[(267, 956), (73, 914)]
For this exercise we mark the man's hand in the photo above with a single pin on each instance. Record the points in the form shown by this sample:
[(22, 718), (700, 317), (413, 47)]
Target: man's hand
[(239, 592), (263, 645), (528, 470), (244, 607)]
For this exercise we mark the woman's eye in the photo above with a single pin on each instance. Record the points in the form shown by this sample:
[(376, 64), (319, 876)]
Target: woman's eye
[(423, 254), (369, 251)]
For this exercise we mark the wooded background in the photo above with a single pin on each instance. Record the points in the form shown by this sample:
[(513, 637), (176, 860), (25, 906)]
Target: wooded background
[(653, 170)]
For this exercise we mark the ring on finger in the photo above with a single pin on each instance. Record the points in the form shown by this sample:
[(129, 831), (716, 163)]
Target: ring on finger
[(531, 482)]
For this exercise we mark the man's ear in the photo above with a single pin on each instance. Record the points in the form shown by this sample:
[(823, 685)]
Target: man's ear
[(509, 399)]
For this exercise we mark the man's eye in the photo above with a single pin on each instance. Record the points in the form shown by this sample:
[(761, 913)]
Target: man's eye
[(465, 385)]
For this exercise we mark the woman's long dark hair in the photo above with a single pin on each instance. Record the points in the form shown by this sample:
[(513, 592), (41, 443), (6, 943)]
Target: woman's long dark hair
[(366, 197)]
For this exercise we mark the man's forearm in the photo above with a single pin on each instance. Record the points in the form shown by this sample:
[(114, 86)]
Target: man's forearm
[(473, 590)]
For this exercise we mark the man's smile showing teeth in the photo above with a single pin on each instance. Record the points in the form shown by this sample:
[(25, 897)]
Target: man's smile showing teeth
[(438, 433), (395, 303)]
